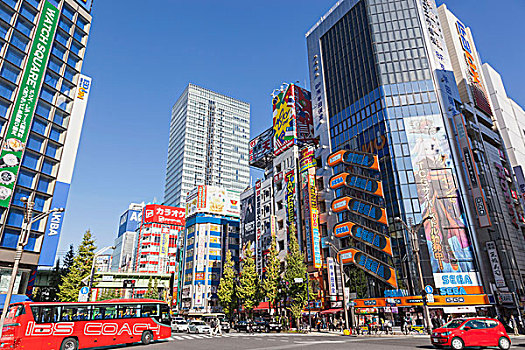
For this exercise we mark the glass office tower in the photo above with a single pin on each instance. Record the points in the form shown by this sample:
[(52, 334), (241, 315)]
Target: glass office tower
[(209, 137), (382, 82), (43, 99)]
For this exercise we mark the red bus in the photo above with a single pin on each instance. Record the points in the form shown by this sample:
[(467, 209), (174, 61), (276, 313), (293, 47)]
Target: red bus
[(72, 326)]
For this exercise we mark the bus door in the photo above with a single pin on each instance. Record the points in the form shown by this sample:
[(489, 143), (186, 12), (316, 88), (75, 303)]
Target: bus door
[(42, 333)]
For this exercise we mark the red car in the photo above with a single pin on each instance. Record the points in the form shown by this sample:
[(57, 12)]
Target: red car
[(465, 332)]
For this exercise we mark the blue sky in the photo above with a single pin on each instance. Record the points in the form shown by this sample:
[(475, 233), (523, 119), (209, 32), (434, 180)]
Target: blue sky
[(141, 55)]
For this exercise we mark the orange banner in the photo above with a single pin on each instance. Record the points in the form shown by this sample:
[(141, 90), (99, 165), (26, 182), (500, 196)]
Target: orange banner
[(439, 300)]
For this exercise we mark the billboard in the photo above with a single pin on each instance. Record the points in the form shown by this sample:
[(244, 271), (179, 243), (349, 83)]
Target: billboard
[(370, 265), (358, 206), (290, 203), (292, 118), (306, 214), (261, 146), (365, 235), (65, 173), (213, 200), (360, 159), (129, 221), (248, 221), (25, 102), (163, 214)]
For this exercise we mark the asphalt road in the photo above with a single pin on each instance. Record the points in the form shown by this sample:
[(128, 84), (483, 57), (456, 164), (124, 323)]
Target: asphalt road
[(284, 341)]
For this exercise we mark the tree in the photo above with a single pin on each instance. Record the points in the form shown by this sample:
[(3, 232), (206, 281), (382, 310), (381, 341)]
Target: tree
[(271, 280), (69, 259), (248, 289), (296, 271), (108, 294), (80, 269), (151, 293), (357, 282), (226, 290)]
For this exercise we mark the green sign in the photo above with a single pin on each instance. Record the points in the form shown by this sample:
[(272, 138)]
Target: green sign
[(25, 103)]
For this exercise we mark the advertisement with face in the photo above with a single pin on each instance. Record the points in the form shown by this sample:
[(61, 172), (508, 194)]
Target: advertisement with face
[(214, 200), (261, 146), (248, 221)]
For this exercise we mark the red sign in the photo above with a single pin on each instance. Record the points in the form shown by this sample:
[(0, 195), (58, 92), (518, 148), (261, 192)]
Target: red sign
[(163, 214)]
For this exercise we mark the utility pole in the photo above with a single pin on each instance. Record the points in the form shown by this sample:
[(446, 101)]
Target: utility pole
[(415, 248)]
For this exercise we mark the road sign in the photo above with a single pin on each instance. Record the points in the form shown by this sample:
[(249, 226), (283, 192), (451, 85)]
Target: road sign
[(429, 289), (83, 294), (430, 298)]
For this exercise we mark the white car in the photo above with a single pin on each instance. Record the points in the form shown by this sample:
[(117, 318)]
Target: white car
[(198, 327), (179, 326)]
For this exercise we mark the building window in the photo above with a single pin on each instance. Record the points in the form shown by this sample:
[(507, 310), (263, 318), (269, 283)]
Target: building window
[(35, 143), (15, 218), (30, 160), (281, 245), (10, 238), (43, 184), (26, 178)]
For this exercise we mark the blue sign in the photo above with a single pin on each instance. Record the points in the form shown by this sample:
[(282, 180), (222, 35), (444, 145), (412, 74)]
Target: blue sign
[(429, 289), (84, 290), (54, 225), (129, 221)]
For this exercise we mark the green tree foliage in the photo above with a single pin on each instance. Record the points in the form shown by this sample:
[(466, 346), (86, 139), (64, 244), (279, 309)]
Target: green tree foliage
[(248, 289), (295, 270), (152, 292), (80, 269), (357, 281), (270, 284), (108, 294), (68, 261), (226, 290)]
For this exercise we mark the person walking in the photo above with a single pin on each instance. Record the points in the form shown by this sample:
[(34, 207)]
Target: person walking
[(218, 328), (514, 325)]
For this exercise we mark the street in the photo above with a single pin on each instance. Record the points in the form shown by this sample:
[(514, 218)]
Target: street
[(277, 341)]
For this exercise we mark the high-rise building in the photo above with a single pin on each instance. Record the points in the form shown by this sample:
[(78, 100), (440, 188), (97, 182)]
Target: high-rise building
[(123, 256), (209, 135), (382, 81), (43, 98), (510, 119)]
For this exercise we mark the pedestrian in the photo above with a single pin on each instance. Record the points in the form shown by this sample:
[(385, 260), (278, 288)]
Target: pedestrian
[(514, 325), (218, 328)]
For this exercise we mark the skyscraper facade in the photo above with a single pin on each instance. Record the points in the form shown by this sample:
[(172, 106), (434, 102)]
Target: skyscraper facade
[(43, 100), (382, 82), (209, 137)]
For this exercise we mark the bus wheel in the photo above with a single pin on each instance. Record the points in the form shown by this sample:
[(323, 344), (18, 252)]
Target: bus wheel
[(69, 344), (147, 337)]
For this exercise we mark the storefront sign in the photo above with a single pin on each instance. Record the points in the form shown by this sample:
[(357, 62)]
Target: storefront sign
[(478, 300), (357, 206), (331, 275), (290, 203), (495, 264), (25, 102), (368, 236), (456, 279), (370, 265), (163, 214)]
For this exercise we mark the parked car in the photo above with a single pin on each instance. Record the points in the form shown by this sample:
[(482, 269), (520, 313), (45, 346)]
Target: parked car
[(274, 326), (243, 326), (179, 326), (261, 325), (198, 327), (467, 332), (225, 325)]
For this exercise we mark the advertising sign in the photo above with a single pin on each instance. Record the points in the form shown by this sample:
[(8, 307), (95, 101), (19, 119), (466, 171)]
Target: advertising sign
[(201, 246), (163, 214), (129, 221), (314, 219), (370, 265), (331, 275), (164, 241), (307, 158), (290, 203), (261, 146), (471, 171), (248, 221), (357, 206), (213, 200), (360, 159), (25, 102), (358, 182), (306, 214), (303, 112), (495, 264), (369, 237), (258, 210), (283, 120)]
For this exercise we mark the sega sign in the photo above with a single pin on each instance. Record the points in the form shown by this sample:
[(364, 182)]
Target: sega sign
[(456, 279)]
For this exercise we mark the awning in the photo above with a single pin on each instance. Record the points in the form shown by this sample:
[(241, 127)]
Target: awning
[(331, 311), (265, 305)]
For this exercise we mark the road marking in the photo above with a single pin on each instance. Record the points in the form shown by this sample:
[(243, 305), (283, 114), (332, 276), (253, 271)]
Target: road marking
[(176, 337), (187, 337)]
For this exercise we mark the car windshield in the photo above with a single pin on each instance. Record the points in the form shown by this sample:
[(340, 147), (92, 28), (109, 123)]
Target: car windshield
[(181, 322), (454, 323), (198, 323)]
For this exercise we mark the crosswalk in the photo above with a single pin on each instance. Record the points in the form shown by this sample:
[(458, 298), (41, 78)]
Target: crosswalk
[(184, 336)]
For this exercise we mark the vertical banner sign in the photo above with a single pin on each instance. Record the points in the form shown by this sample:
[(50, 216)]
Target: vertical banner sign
[(496, 265), (314, 219), (258, 225), (306, 214), (290, 203), (331, 276), (472, 172), (25, 103), (283, 120), (164, 241), (449, 246), (201, 250)]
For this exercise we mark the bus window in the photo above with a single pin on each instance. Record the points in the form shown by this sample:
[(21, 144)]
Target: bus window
[(150, 310), (165, 317), (75, 313), (45, 314), (128, 311), (15, 311), (104, 312)]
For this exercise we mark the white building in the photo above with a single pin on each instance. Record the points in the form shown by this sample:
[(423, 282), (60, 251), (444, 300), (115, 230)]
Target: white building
[(209, 136), (510, 119)]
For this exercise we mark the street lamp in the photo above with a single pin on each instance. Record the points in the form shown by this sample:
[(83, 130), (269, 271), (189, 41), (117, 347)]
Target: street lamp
[(92, 274), (415, 248), (22, 242), (338, 252)]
